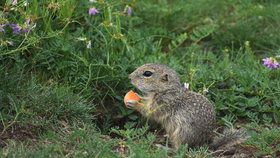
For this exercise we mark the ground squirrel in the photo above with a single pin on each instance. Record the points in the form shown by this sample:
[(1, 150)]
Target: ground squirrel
[(187, 117)]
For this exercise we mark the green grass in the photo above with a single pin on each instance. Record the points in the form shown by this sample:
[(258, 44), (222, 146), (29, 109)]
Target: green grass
[(264, 141), (62, 99)]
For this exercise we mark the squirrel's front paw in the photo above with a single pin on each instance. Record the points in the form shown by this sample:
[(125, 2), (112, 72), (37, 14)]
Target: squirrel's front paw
[(131, 103)]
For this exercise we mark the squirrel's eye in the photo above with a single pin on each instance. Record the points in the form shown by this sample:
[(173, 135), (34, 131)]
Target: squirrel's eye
[(147, 73)]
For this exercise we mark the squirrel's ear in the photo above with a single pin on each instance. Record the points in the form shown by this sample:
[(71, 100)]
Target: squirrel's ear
[(164, 77)]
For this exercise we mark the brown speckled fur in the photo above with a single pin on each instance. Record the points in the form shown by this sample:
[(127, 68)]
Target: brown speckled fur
[(187, 117)]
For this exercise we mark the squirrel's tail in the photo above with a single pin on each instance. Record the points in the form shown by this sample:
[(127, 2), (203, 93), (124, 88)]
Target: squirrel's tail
[(228, 139)]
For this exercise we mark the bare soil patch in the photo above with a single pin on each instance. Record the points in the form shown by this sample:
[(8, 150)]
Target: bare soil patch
[(18, 132)]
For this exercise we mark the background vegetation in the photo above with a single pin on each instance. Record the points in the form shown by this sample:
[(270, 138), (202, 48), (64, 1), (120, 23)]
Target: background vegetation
[(63, 72)]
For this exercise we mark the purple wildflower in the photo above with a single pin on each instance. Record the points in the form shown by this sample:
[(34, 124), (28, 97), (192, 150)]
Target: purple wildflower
[(26, 30), (14, 2), (93, 11), (16, 28), (271, 63), (129, 11), (27, 26)]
